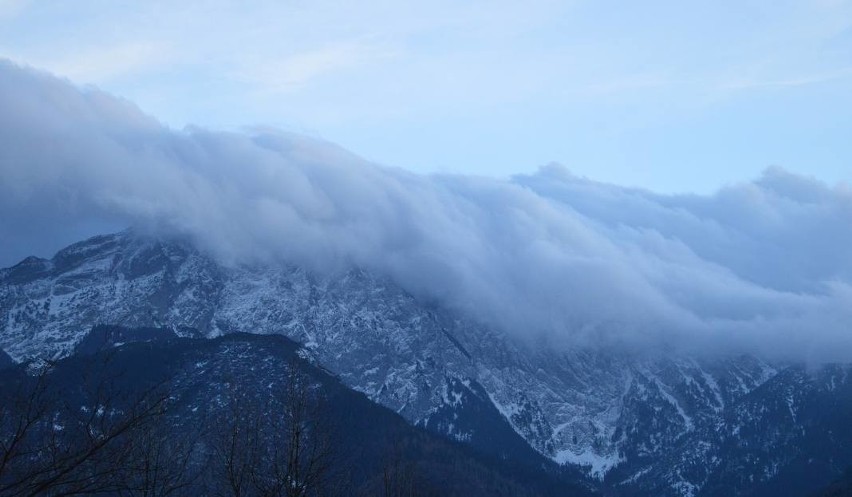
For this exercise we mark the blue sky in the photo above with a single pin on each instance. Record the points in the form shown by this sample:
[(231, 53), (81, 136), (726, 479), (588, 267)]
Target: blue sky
[(669, 96)]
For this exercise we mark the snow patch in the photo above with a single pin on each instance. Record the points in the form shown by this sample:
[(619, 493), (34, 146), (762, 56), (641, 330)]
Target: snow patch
[(598, 464)]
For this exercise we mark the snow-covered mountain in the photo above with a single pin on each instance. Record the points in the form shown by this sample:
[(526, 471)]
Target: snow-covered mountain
[(637, 425)]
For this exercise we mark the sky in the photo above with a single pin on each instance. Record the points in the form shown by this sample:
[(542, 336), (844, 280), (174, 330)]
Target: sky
[(670, 96), (762, 266)]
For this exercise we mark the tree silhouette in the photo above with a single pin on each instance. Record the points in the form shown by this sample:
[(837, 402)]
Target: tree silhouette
[(279, 445)]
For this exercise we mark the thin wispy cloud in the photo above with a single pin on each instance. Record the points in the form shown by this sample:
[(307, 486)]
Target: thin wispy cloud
[(105, 64), (283, 46), (297, 70), (804, 80)]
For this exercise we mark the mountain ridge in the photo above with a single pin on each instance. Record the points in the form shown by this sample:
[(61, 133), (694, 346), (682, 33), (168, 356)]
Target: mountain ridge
[(632, 424)]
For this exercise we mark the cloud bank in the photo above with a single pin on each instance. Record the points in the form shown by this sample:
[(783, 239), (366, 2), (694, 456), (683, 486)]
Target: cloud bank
[(764, 266)]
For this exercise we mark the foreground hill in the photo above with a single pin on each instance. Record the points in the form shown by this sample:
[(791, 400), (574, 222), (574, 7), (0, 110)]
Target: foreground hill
[(842, 487), (229, 386)]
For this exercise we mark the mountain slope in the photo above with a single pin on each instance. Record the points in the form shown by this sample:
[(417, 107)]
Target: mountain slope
[(637, 424), (842, 487), (202, 377)]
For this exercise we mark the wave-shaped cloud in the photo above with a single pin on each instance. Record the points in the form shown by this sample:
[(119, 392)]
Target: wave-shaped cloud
[(764, 266)]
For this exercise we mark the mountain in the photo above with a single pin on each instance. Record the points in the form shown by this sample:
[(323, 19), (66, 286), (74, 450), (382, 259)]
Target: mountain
[(629, 424), (842, 487), (206, 382), (5, 360)]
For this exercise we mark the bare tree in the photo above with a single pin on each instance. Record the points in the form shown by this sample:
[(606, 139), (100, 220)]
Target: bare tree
[(400, 477), (102, 435), (278, 446), (23, 410), (161, 462), (236, 447), (60, 442)]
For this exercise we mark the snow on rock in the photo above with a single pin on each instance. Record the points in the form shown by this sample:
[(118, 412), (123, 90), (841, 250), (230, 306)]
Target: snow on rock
[(600, 411)]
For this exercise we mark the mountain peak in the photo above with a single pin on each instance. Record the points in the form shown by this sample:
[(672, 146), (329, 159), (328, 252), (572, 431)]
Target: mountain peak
[(631, 421)]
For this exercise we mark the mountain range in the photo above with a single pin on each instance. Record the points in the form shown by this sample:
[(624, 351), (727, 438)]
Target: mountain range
[(623, 424)]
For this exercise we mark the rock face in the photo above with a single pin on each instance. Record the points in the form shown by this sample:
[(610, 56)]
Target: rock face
[(637, 426), (6, 361)]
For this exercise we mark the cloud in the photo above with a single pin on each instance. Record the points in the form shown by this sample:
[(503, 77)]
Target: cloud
[(803, 80), (105, 63), (764, 266), (290, 73)]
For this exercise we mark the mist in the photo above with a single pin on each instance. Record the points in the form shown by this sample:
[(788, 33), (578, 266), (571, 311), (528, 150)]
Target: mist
[(763, 266)]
